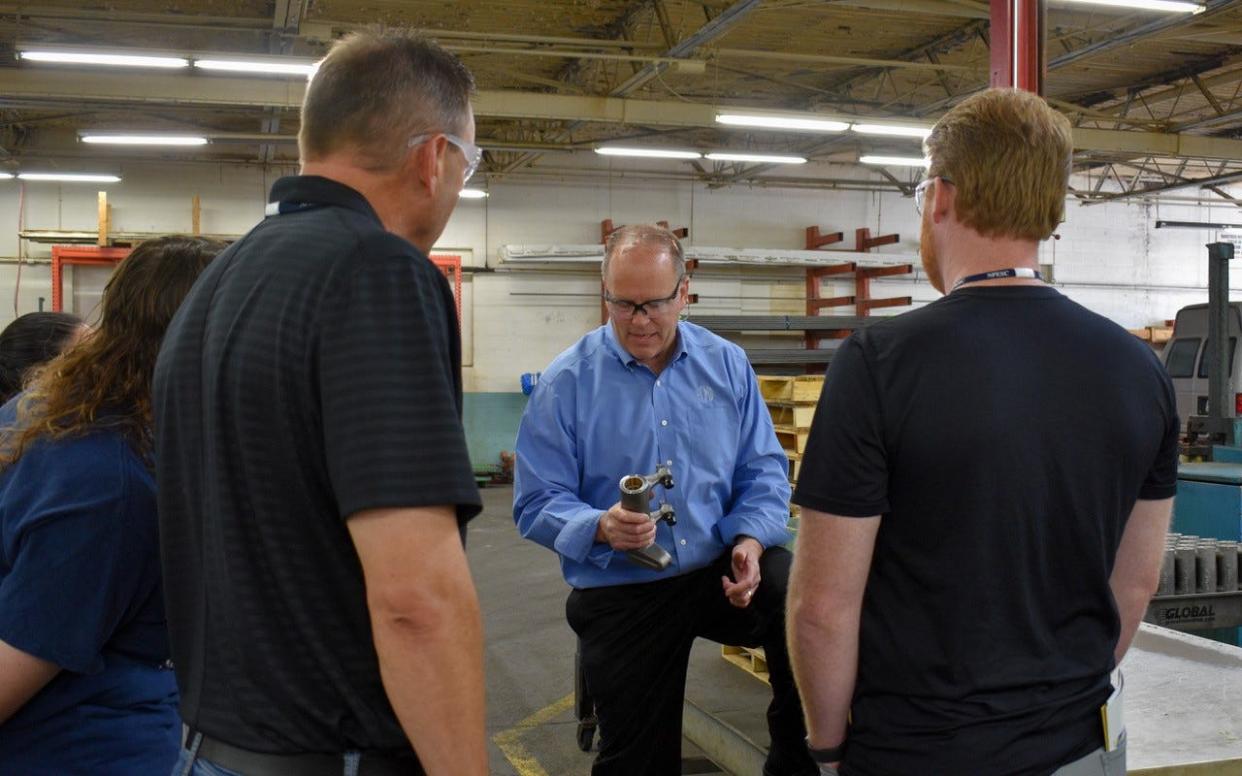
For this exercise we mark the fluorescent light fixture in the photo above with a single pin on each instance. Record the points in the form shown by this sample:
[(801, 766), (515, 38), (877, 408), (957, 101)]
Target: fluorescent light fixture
[(1172, 6), (258, 66), (724, 156), (897, 161), (472, 194), (152, 140), (68, 177), (109, 60), (891, 130), (781, 122), (4, 176), (653, 153)]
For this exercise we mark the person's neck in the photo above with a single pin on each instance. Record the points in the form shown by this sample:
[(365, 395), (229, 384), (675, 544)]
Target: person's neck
[(970, 253), (383, 191)]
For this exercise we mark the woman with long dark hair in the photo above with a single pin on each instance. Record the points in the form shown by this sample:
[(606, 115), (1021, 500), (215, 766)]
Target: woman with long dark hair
[(84, 681), (31, 340)]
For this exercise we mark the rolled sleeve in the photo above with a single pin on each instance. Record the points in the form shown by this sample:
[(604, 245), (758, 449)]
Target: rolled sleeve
[(760, 503), (546, 505)]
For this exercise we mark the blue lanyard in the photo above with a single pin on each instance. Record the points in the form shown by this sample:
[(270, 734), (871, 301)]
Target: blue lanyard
[(997, 274), (284, 207)]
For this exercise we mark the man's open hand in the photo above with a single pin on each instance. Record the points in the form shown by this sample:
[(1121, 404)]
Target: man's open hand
[(746, 571)]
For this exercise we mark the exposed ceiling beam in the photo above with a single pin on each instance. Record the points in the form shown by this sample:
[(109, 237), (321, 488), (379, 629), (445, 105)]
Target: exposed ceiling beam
[(714, 28), (1201, 183), (722, 23), (1213, 7), (84, 88)]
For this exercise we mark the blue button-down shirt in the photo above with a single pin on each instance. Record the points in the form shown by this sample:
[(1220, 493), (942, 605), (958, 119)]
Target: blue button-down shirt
[(597, 415)]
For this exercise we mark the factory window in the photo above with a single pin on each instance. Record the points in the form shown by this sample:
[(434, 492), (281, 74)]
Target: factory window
[(1181, 359), (1203, 359)]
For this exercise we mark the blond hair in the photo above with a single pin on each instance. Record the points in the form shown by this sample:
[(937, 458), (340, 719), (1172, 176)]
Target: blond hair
[(374, 91), (1008, 154)]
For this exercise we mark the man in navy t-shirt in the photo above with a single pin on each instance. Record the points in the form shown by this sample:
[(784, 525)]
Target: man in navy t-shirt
[(986, 490)]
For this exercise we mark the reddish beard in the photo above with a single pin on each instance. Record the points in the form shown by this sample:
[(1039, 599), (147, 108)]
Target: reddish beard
[(927, 252)]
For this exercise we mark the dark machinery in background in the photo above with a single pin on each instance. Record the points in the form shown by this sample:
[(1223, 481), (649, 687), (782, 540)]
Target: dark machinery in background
[(1199, 582)]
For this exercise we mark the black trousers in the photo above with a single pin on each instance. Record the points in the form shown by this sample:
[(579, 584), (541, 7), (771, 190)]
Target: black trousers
[(635, 646)]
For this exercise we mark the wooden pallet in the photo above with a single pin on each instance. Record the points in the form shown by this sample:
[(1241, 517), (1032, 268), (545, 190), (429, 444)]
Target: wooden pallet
[(792, 439), (791, 388), (795, 465), (791, 414), (750, 660)]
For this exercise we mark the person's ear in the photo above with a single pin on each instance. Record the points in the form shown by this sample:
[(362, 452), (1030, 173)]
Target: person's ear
[(426, 161), (944, 200)]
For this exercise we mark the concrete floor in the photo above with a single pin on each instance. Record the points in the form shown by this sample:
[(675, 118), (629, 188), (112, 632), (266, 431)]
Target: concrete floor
[(1181, 694), (530, 654)]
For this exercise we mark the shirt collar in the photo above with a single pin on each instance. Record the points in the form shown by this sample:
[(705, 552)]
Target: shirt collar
[(623, 355), (315, 189)]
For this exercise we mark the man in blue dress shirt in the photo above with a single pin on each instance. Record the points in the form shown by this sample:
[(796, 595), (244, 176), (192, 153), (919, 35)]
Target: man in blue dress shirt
[(642, 391)]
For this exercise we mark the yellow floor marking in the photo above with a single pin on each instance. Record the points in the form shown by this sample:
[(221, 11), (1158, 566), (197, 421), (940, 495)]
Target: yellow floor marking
[(509, 744)]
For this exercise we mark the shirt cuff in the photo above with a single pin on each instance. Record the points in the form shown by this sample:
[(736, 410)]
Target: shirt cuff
[(576, 540), (762, 529)]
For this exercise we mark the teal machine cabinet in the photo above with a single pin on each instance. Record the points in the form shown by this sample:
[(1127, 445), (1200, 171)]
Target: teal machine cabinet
[(1209, 499)]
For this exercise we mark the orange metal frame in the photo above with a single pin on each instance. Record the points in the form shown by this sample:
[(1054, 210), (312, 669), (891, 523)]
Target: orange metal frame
[(63, 255), (451, 267)]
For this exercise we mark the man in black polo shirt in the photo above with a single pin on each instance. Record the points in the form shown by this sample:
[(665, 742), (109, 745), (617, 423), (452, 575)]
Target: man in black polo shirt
[(985, 490), (314, 481)]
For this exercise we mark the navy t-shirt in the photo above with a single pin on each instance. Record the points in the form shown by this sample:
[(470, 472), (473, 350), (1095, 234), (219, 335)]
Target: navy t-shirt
[(80, 587), (1004, 434)]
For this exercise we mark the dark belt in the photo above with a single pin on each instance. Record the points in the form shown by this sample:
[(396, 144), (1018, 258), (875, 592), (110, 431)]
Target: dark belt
[(251, 763)]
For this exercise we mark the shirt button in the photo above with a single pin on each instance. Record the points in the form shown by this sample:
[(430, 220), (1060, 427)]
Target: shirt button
[(683, 542), (663, 422), (659, 383), (669, 462)]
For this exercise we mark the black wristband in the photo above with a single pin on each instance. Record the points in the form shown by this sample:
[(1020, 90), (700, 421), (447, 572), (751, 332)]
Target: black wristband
[(833, 755)]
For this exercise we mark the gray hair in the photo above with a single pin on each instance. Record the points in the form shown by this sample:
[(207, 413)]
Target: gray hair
[(376, 90), (644, 234)]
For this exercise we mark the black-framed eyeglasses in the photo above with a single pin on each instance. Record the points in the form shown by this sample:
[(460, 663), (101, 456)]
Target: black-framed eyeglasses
[(921, 189), (624, 309)]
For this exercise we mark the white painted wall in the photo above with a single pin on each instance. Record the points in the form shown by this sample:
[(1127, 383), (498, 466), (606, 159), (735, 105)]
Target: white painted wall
[(1109, 257)]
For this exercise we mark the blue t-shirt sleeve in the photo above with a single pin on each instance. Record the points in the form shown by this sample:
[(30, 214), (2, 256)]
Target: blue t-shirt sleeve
[(74, 563)]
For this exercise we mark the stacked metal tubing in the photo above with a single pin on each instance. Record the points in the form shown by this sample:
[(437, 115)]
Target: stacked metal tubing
[(1195, 565)]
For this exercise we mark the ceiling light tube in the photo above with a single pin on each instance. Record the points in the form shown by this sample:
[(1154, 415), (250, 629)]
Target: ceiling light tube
[(65, 177), (104, 59), (891, 130), (258, 66), (151, 140), (654, 153), (5, 176), (728, 156), (1172, 6), (781, 122), (472, 194), (897, 161)]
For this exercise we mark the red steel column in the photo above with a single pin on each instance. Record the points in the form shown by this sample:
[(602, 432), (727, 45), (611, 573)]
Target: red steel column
[(1017, 41)]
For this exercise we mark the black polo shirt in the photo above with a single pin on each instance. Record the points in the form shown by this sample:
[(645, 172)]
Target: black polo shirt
[(1004, 434), (312, 372)]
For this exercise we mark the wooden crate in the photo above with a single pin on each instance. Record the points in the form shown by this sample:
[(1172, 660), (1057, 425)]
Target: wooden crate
[(752, 661), (787, 413), (802, 389), (792, 439)]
